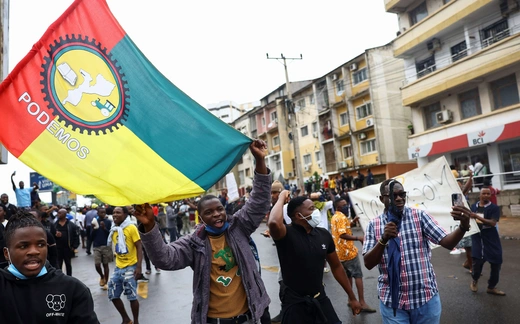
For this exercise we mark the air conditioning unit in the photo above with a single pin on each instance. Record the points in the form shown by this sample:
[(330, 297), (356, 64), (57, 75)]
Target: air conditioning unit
[(319, 165), (307, 167), (443, 116), (434, 44), (290, 175), (315, 134), (343, 165), (353, 67), (334, 77), (370, 122), (362, 136)]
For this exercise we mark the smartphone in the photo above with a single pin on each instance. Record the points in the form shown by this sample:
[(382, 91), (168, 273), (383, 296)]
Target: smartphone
[(457, 199)]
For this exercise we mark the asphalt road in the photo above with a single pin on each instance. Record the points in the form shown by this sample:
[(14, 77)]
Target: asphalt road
[(170, 297)]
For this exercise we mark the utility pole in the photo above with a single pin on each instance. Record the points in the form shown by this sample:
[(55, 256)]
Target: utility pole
[(292, 119)]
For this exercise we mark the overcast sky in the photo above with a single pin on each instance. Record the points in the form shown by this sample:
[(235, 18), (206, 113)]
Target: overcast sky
[(215, 50)]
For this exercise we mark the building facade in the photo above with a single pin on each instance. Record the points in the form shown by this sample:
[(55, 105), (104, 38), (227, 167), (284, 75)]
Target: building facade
[(363, 124), (462, 75)]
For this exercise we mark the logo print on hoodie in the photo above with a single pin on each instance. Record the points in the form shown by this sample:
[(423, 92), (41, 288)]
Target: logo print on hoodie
[(56, 302)]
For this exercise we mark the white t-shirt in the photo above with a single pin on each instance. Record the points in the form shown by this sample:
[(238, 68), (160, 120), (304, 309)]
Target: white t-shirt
[(324, 222), (80, 218), (185, 209)]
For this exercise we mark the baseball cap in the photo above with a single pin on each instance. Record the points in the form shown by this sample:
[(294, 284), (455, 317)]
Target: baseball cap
[(277, 186)]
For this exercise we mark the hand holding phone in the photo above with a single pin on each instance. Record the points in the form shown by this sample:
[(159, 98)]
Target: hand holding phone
[(457, 199)]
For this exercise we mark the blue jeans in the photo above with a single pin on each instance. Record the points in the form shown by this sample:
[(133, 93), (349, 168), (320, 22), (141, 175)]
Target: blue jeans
[(173, 233), (123, 281), (429, 313)]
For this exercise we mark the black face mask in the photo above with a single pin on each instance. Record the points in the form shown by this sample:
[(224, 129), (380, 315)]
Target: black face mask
[(345, 210)]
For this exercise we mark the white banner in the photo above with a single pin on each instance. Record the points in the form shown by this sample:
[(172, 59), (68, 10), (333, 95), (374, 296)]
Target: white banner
[(428, 188), (232, 187)]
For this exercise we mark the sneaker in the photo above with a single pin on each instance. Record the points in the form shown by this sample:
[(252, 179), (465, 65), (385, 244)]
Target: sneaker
[(142, 278), (473, 286), (496, 292), (105, 287), (326, 270), (455, 251), (102, 282), (148, 271), (158, 271), (277, 319)]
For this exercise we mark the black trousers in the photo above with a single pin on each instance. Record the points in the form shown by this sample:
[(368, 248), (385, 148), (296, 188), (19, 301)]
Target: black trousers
[(89, 238), (65, 255)]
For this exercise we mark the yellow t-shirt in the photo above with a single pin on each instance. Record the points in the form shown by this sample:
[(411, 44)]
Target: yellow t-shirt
[(332, 184), (131, 236), (227, 295), (345, 249)]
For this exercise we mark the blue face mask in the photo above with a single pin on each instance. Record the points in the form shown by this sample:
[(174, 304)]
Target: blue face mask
[(216, 231), (12, 269)]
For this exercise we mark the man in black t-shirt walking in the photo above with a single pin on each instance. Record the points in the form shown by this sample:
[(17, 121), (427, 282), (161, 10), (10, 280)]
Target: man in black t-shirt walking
[(302, 249)]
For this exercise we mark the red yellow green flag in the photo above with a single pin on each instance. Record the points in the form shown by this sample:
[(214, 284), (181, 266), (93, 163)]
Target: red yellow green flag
[(87, 110)]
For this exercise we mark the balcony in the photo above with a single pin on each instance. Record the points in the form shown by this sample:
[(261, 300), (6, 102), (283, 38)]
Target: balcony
[(397, 6), (450, 16), (496, 56)]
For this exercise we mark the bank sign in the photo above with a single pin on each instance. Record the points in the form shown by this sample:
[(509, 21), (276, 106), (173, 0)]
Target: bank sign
[(43, 183)]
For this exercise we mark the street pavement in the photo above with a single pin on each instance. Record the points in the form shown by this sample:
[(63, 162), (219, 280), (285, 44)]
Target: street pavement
[(170, 292)]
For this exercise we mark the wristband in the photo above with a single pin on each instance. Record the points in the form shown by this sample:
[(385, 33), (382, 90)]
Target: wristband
[(464, 229)]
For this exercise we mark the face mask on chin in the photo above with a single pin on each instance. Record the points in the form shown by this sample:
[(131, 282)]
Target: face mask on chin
[(314, 218)]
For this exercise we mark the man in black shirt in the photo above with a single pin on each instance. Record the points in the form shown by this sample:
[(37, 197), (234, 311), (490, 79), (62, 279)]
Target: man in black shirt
[(302, 249), (67, 239), (10, 209), (102, 252)]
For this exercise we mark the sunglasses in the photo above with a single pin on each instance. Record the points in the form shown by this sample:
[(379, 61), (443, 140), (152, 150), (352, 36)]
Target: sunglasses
[(400, 194)]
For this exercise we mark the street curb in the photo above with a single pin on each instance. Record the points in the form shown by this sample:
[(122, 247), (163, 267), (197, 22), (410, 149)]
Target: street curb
[(509, 238)]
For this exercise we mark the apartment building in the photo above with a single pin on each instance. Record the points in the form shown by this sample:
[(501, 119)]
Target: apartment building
[(462, 73), (363, 124)]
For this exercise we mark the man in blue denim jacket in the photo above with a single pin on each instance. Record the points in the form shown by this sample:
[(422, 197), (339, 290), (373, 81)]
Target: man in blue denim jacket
[(227, 287)]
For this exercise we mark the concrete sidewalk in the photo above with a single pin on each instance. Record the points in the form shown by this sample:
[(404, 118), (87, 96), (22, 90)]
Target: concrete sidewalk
[(509, 228)]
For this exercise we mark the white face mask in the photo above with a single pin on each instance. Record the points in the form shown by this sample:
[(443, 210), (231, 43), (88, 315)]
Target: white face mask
[(315, 218)]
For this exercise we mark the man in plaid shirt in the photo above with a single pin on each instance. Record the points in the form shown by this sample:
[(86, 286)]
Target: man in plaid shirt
[(419, 300)]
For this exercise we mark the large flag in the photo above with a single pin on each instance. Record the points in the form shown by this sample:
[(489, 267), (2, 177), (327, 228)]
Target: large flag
[(428, 187), (87, 110)]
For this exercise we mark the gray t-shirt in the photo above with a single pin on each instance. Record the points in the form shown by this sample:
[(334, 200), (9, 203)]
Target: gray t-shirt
[(171, 217)]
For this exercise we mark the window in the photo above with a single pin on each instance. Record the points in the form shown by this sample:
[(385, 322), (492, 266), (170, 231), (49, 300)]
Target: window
[(430, 117), (343, 119), (359, 76), (248, 172), (281, 92), (340, 87), (505, 92), (315, 127), (494, 33), (254, 134), (470, 103), (263, 121), (273, 116), (307, 159), (301, 103), (317, 155), (278, 165), (276, 141), (368, 146), (347, 151), (459, 51), (511, 156), (304, 131), (241, 177), (426, 66), (311, 99), (419, 13), (364, 111)]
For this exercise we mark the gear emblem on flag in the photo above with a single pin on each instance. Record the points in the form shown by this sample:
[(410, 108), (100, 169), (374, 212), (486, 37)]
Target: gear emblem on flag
[(84, 86)]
